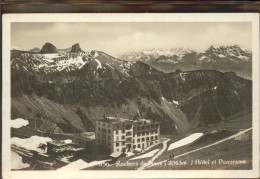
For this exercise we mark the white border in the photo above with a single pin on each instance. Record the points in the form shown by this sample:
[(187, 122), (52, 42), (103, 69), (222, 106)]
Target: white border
[(191, 17)]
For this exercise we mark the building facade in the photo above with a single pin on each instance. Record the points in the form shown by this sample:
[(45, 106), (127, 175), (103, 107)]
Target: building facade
[(124, 135)]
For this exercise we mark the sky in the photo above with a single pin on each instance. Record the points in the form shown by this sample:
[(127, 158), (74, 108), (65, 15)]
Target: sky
[(116, 38)]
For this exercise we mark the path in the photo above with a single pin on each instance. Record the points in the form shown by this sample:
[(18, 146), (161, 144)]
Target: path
[(155, 156), (210, 145)]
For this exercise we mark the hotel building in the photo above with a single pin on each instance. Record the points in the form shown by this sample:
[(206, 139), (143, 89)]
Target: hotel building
[(125, 135)]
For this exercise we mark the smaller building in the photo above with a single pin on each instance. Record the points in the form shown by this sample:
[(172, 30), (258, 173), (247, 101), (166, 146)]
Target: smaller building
[(62, 149), (116, 156)]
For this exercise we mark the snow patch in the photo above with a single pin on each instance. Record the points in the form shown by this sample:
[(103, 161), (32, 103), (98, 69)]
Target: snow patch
[(80, 164), (129, 154), (147, 155), (236, 93), (109, 65), (31, 143), (17, 123), (76, 165), (185, 141), (175, 102), (183, 76), (17, 162), (99, 64)]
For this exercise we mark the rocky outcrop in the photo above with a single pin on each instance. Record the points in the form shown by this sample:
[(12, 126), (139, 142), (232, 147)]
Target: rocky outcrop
[(48, 48), (76, 48)]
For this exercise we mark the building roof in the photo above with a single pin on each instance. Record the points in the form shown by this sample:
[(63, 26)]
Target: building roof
[(59, 143), (146, 121), (113, 120), (116, 154)]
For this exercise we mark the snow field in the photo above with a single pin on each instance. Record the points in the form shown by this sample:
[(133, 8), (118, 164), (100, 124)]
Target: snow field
[(185, 141)]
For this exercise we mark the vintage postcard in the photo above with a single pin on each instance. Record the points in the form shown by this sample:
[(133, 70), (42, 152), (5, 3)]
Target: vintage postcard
[(130, 95)]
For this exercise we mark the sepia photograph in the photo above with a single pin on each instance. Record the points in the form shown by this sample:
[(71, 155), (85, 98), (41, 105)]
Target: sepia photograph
[(163, 93)]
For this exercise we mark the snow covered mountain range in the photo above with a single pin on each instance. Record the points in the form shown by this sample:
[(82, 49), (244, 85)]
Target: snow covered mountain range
[(75, 87), (223, 58)]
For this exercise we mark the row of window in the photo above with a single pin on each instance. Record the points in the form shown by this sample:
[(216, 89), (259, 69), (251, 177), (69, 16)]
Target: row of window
[(146, 127), (146, 133), (104, 130), (142, 146), (128, 126), (147, 138)]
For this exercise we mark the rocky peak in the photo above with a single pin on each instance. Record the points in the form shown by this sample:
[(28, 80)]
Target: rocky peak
[(48, 48), (76, 48), (35, 49)]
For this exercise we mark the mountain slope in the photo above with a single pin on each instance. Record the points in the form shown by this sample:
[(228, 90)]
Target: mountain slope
[(104, 85)]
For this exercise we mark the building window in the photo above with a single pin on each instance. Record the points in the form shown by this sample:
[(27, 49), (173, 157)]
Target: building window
[(109, 143), (116, 132), (138, 140), (138, 134), (117, 138), (138, 128), (151, 143), (147, 138), (134, 146), (147, 127), (143, 139), (133, 141), (99, 129), (109, 137), (143, 133), (152, 138), (117, 125), (98, 135), (138, 146), (129, 133), (123, 125), (123, 131), (117, 144), (109, 131), (156, 137), (123, 143), (143, 127), (147, 132), (123, 137), (128, 126)]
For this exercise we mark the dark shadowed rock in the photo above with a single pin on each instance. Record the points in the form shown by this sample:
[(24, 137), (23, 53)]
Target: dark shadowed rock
[(48, 48), (76, 48)]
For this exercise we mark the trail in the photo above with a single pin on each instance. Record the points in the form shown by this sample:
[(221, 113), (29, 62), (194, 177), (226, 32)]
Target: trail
[(155, 156), (207, 146)]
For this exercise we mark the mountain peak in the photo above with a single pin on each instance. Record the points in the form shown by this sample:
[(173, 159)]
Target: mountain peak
[(35, 49), (76, 48), (48, 48)]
